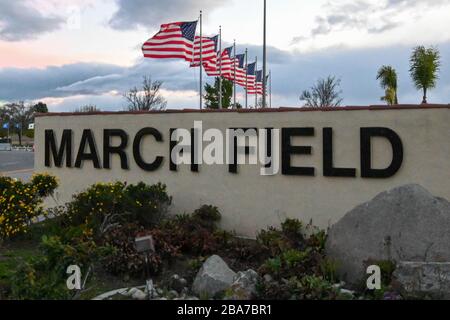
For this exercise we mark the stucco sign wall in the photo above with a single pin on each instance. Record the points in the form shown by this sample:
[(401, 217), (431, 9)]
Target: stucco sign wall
[(257, 167)]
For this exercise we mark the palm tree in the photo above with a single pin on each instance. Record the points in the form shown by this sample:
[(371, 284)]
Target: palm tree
[(424, 67), (389, 96), (388, 81)]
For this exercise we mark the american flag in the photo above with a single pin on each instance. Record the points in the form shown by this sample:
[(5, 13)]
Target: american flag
[(251, 77), (174, 40), (259, 84), (212, 67), (240, 70), (227, 63), (209, 50)]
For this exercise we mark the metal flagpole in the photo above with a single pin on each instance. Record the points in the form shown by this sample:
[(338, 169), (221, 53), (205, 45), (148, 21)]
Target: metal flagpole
[(220, 67), (234, 63), (201, 62), (246, 78), (256, 89), (264, 59), (270, 88)]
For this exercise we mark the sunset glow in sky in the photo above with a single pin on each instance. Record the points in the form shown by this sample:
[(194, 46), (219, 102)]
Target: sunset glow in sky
[(69, 53)]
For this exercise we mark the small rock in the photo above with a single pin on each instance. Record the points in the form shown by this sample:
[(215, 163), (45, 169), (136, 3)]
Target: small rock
[(215, 276), (185, 291), (177, 283), (268, 278), (129, 292), (244, 285), (138, 295), (347, 292), (172, 294), (339, 285), (150, 289)]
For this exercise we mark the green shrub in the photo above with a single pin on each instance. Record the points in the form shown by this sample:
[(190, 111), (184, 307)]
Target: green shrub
[(103, 204), (34, 280), (21, 202), (293, 235), (45, 184), (293, 229), (329, 269), (196, 233), (208, 216), (296, 251), (44, 276), (92, 205), (146, 204), (308, 287)]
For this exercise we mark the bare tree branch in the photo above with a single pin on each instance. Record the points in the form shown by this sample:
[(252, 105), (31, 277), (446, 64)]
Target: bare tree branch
[(149, 98), (324, 94)]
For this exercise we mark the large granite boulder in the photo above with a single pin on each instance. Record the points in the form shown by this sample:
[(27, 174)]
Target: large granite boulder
[(214, 277), (404, 224)]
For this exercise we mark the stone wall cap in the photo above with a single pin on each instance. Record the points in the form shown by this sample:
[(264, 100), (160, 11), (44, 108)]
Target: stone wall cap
[(266, 110)]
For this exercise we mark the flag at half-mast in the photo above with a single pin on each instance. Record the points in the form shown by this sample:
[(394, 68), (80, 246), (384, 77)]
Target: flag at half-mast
[(213, 69), (240, 70), (173, 41), (259, 84), (227, 63), (251, 78), (211, 66), (258, 87), (208, 50)]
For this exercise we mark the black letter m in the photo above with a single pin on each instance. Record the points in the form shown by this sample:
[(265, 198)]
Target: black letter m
[(58, 154)]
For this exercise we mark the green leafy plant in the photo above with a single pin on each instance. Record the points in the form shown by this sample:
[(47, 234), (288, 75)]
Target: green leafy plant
[(388, 81), (21, 203), (307, 287), (424, 68), (45, 184), (329, 269), (34, 280), (106, 204), (146, 204), (196, 233)]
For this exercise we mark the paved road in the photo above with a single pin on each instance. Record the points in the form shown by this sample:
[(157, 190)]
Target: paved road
[(17, 164)]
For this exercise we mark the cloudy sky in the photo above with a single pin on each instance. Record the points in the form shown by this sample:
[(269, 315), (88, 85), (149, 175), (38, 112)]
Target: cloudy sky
[(69, 53)]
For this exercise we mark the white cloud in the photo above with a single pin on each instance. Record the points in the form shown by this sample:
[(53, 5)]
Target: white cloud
[(20, 21), (152, 13)]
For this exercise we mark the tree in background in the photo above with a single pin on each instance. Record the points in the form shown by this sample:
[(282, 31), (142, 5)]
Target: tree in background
[(424, 68), (212, 94), (4, 116), (87, 108), (325, 93), (146, 99), (4, 119), (388, 81), (40, 108), (20, 116)]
